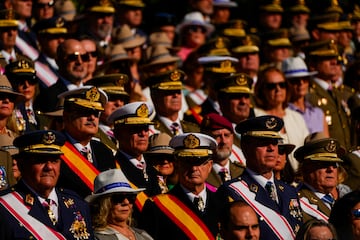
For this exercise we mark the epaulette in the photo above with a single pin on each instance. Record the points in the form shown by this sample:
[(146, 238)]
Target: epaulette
[(238, 164)]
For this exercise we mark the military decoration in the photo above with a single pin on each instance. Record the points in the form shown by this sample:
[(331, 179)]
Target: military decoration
[(294, 209), (29, 199), (3, 182), (69, 202), (254, 188), (78, 227)]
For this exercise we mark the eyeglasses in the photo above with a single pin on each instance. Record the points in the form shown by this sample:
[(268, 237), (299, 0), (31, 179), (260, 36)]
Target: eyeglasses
[(272, 86), (356, 213), (75, 57), (93, 54), (297, 80), (44, 5), (194, 29), (119, 198)]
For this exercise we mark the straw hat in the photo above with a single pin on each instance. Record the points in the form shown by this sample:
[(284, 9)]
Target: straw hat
[(5, 87), (159, 55), (294, 67), (66, 9), (159, 144), (197, 19), (126, 38), (111, 181)]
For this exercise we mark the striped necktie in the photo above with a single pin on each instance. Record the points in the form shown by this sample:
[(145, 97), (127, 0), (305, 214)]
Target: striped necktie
[(328, 199)]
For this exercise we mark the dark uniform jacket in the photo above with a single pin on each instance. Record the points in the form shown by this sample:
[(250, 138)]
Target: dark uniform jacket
[(70, 207), (103, 160), (288, 206), (185, 126), (236, 169), (335, 110), (159, 226), (47, 100)]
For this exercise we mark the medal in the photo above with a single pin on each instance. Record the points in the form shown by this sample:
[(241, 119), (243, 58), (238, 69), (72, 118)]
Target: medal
[(78, 227)]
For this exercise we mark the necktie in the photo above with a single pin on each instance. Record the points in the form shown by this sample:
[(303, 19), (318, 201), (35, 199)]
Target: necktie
[(224, 175), (199, 203), (87, 154), (271, 190), (175, 127), (162, 184), (141, 165), (47, 205), (328, 199)]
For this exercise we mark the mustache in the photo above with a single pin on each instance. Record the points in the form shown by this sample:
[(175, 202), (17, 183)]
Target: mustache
[(91, 123)]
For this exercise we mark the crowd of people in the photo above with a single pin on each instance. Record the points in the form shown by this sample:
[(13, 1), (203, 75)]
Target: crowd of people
[(197, 119)]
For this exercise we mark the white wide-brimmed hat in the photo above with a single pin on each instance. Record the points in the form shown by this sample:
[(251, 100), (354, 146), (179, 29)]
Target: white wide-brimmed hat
[(111, 181), (294, 67), (224, 3), (195, 19)]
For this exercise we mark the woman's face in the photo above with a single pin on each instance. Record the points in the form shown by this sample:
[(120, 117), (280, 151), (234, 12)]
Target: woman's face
[(195, 36), (320, 232), (164, 167), (298, 87), (355, 222), (275, 88), (121, 207)]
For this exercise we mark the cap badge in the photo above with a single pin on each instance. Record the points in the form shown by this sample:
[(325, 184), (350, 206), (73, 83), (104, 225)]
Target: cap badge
[(191, 141), (241, 80), (49, 138), (23, 64), (92, 94), (142, 111), (331, 146), (271, 123), (59, 22), (120, 81), (175, 76), (248, 41), (220, 43)]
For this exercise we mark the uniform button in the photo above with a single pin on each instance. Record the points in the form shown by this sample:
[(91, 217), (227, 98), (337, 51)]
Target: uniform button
[(31, 237)]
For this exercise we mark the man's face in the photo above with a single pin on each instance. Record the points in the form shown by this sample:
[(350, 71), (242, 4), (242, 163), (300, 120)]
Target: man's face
[(90, 48), (75, 63), (323, 176), (8, 37), (236, 107), (204, 6), (243, 225), (50, 43), (133, 16), (193, 172), (224, 138), (279, 54), (42, 172), (170, 31), (114, 102), (23, 8), (326, 68), (81, 122), (221, 14), (133, 139), (328, 35), (263, 153), (167, 102), (249, 63), (271, 20), (101, 24)]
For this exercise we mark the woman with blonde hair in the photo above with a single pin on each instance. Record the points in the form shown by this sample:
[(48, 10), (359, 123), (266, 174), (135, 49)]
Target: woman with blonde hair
[(111, 206)]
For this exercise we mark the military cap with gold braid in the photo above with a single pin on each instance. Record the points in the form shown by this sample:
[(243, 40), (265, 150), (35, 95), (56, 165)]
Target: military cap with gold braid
[(267, 126), (355, 15), (193, 145), (52, 26), (317, 147), (42, 142), (111, 84), (20, 68), (170, 80), (87, 97), (132, 3), (215, 47), (247, 45), (299, 7), (236, 83), (101, 6), (135, 113), (327, 48), (8, 18), (271, 6)]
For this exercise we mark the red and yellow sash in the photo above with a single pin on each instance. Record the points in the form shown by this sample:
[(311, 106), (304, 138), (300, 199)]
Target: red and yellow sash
[(141, 197), (78, 164), (183, 217)]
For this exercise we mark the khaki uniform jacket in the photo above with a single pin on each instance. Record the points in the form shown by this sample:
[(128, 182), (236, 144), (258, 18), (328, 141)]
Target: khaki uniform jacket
[(185, 126), (314, 200), (335, 110), (236, 169)]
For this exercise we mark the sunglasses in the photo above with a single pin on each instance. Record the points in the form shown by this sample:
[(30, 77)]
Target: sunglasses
[(272, 86), (75, 57), (194, 29), (10, 97), (297, 81), (239, 96), (356, 213), (88, 112), (321, 165), (44, 5), (119, 198), (93, 54), (31, 81)]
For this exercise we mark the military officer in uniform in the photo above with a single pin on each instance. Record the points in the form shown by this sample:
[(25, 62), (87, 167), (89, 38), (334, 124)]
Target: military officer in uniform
[(34, 208), (319, 161), (274, 201), (223, 168), (165, 90), (84, 157), (323, 57), (190, 202)]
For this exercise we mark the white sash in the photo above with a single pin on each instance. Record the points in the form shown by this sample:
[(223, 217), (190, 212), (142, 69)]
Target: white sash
[(312, 210), (198, 96), (278, 224), (237, 155), (26, 48), (45, 74), (14, 204)]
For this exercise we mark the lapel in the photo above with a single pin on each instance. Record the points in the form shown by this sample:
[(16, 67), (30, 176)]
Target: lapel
[(159, 125), (134, 174), (106, 140), (235, 170), (322, 93), (214, 179), (313, 199)]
